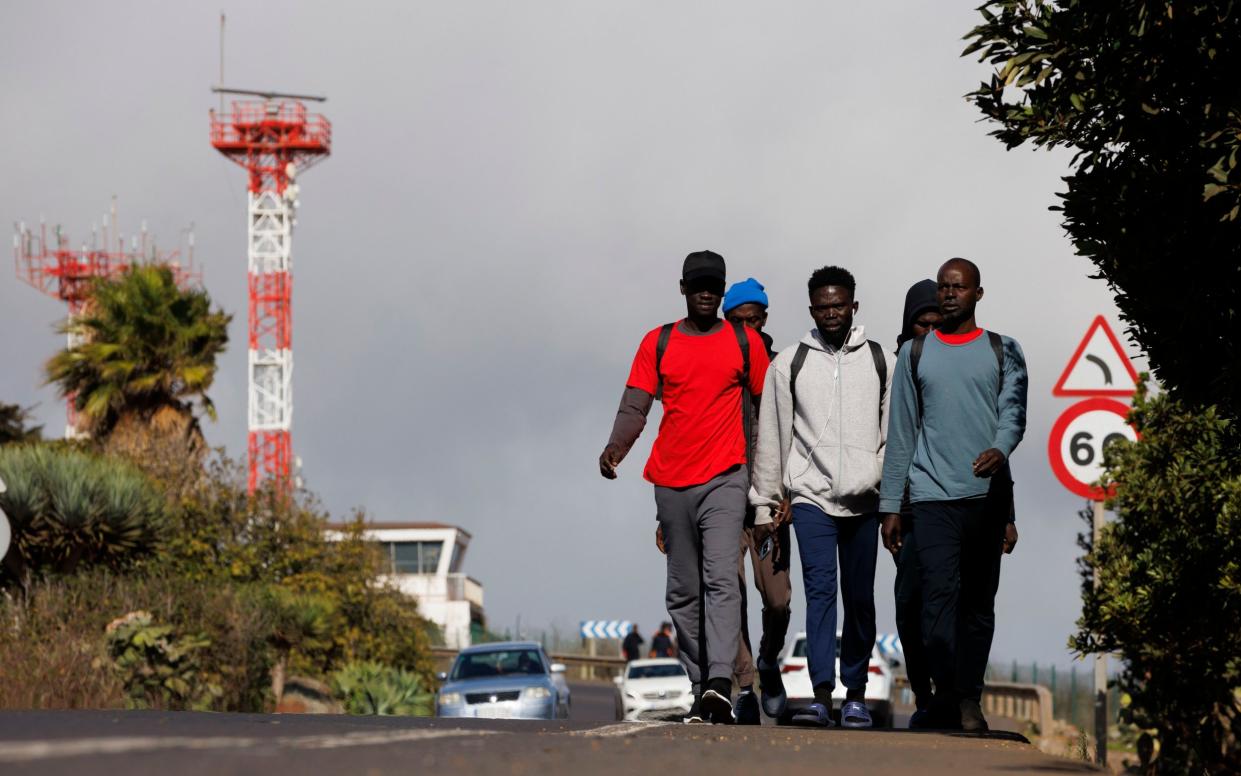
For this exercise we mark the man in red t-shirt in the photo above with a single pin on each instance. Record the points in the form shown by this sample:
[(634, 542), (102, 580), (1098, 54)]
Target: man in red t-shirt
[(698, 467)]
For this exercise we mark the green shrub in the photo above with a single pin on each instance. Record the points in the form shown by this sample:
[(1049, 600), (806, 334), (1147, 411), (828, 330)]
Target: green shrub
[(67, 616), (1169, 595), (70, 508), (335, 609), (159, 668), (250, 589), (368, 687)]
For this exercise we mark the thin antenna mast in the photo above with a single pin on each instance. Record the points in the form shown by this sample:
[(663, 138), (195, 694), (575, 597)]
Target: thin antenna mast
[(221, 59)]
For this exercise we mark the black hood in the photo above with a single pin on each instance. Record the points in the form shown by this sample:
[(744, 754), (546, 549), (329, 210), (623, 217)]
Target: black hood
[(767, 343), (920, 298)]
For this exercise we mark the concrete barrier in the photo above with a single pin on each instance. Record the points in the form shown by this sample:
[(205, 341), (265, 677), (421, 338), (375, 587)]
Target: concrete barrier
[(1022, 702)]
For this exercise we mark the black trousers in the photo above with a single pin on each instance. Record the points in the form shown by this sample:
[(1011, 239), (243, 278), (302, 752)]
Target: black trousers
[(908, 589), (959, 544)]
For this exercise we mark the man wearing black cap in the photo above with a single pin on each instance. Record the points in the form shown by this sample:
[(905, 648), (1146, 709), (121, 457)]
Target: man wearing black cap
[(705, 371)]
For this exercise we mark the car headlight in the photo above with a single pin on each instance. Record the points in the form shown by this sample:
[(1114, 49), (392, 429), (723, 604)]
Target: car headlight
[(450, 699), (631, 696), (536, 693)]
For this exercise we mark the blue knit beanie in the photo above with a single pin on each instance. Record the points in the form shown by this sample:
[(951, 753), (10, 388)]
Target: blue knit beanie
[(745, 292)]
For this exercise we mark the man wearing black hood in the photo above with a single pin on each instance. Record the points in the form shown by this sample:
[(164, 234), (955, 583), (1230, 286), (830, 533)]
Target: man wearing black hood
[(921, 316)]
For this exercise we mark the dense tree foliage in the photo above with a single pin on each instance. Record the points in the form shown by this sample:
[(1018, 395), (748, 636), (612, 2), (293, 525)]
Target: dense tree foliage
[(1146, 94), (1169, 595)]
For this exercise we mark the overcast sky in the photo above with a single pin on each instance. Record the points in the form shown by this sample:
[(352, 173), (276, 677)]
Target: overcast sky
[(511, 191)]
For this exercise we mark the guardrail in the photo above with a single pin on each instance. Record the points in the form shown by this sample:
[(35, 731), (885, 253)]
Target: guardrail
[(586, 666), (1022, 702)]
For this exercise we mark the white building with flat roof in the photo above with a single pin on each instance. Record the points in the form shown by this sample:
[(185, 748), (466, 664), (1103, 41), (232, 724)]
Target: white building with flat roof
[(424, 561)]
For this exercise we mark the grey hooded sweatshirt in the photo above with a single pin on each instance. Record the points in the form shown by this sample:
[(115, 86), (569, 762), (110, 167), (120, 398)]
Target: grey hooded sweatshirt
[(829, 452)]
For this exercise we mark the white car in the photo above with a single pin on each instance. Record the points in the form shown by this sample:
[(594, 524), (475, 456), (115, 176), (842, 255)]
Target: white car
[(796, 675), (653, 689)]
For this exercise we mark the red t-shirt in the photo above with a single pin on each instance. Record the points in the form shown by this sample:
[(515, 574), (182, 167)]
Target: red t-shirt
[(958, 339), (701, 433)]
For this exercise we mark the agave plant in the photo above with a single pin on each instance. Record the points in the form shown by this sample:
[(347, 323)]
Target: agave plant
[(367, 687), (69, 507)]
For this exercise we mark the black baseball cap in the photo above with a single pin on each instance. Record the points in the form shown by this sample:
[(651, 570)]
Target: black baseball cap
[(703, 264)]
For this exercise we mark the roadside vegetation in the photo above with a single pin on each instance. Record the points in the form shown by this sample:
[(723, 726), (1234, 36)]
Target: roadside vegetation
[(1145, 95), (142, 574)]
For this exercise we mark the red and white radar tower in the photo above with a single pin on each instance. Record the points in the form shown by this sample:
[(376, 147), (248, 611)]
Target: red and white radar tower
[(274, 139), (65, 273)]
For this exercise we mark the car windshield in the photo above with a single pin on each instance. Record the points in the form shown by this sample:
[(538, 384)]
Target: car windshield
[(500, 662), (657, 671)]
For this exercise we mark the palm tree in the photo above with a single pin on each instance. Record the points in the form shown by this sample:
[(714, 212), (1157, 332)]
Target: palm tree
[(147, 351), (13, 425)]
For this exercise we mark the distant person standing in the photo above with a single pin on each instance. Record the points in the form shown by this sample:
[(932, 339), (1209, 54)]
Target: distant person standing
[(821, 444), (921, 317), (632, 645), (662, 644), (767, 545), (705, 370), (957, 416)]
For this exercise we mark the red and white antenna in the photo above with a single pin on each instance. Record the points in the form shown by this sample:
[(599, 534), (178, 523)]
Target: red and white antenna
[(62, 272), (274, 139)]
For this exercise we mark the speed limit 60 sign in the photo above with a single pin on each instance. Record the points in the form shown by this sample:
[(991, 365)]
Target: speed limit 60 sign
[(1077, 441)]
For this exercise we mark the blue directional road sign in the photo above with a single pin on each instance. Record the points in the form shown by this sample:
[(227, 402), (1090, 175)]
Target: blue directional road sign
[(606, 629), (889, 644)]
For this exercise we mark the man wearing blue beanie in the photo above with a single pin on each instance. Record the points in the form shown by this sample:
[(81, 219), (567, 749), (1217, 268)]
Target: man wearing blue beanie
[(768, 547)]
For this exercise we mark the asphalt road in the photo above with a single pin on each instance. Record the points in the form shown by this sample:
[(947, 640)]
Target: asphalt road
[(84, 743), (592, 702)]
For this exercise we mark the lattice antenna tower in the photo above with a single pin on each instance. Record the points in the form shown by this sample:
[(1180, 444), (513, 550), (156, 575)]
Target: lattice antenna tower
[(54, 267), (274, 139)]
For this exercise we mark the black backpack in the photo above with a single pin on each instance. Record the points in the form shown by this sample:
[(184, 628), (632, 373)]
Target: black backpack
[(876, 352), (747, 401)]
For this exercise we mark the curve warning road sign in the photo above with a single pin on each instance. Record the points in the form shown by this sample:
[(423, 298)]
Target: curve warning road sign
[(1076, 444), (1099, 366)]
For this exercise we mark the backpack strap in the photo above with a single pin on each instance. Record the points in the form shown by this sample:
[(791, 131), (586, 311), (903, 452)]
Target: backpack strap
[(881, 368), (799, 358), (915, 355), (997, 347), (747, 401), (743, 342), (661, 344)]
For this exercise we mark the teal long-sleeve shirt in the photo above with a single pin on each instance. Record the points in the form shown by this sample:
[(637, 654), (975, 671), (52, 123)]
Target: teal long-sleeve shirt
[(965, 410)]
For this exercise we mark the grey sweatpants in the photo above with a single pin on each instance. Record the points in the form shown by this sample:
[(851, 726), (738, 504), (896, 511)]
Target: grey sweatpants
[(702, 531)]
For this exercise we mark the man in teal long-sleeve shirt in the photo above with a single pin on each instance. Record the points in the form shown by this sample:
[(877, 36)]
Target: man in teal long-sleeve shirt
[(958, 410)]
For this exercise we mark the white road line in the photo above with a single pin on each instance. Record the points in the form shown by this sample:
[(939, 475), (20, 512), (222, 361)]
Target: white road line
[(26, 751), (619, 730)]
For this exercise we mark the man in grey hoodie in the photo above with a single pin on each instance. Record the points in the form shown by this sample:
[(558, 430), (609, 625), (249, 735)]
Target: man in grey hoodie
[(821, 437)]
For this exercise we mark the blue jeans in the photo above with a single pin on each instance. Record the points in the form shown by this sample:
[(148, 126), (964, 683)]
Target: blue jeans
[(820, 538)]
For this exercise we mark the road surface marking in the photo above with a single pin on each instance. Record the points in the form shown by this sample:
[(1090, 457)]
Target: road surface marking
[(25, 751), (619, 730)]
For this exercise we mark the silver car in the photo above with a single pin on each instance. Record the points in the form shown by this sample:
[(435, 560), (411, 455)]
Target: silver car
[(507, 680)]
